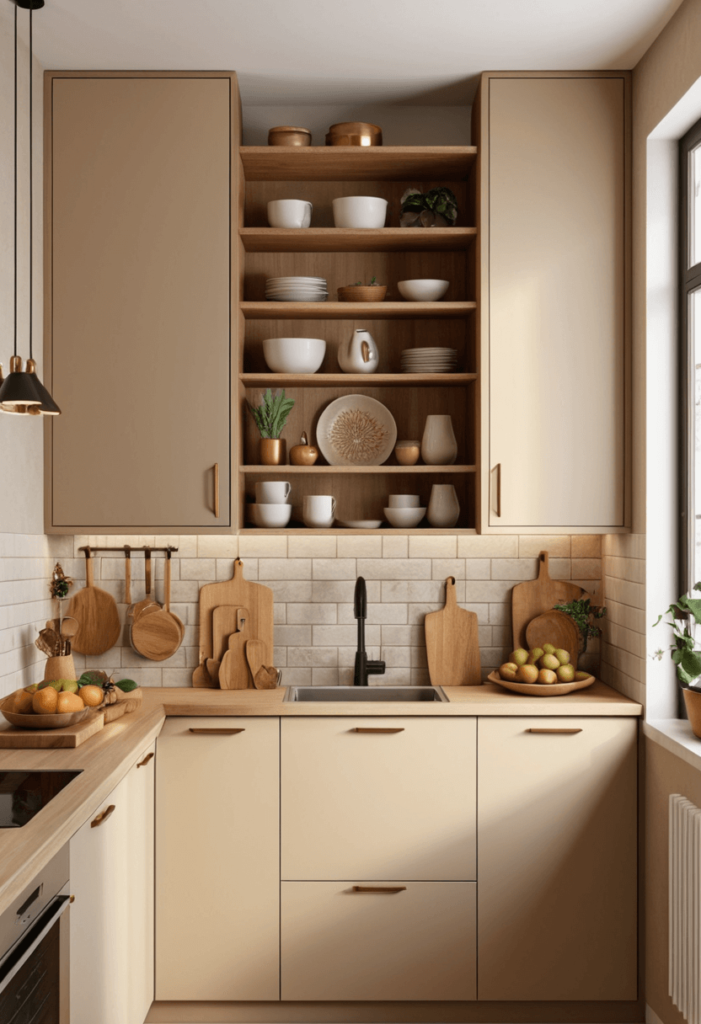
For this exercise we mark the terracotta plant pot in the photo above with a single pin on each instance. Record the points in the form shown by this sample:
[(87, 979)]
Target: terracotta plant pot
[(692, 699), (273, 451)]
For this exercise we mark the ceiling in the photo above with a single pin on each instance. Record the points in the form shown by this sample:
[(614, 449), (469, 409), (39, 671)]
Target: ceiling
[(334, 51)]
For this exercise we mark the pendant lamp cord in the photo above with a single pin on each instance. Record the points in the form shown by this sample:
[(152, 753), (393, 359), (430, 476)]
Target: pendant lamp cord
[(31, 175), (15, 280)]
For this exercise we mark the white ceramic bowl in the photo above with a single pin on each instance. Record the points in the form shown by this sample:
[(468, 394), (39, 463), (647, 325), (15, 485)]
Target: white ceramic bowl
[(423, 289), (289, 213), (405, 518), (271, 516), (294, 355), (404, 501), (359, 212)]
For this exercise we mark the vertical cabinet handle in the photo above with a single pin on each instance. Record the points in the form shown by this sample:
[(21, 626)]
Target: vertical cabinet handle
[(498, 469), (145, 760), (102, 818), (216, 490), (559, 732)]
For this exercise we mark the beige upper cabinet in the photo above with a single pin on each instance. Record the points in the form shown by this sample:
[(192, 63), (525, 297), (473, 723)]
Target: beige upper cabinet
[(554, 316), (138, 273), (557, 891)]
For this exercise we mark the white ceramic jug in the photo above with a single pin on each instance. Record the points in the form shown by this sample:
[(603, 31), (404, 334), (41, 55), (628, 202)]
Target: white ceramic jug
[(360, 354)]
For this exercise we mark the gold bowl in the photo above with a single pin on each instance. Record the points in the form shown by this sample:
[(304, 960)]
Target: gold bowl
[(354, 133)]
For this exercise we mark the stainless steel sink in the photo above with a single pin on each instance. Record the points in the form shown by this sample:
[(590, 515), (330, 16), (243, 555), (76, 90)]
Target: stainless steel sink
[(365, 694)]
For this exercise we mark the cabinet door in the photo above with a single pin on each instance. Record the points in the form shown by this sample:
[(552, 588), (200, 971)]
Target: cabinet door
[(416, 944), (140, 886), (139, 316), (218, 859), (378, 798), (558, 859), (556, 306)]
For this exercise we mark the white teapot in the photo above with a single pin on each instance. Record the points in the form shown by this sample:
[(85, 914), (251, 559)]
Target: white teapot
[(360, 354)]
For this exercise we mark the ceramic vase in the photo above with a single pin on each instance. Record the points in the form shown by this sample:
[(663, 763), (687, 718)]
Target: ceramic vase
[(443, 506), (273, 451), (438, 445)]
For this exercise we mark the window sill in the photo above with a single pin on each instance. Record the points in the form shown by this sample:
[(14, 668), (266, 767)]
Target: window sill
[(675, 735)]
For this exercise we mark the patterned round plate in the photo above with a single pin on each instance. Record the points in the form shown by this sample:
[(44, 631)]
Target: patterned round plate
[(356, 431)]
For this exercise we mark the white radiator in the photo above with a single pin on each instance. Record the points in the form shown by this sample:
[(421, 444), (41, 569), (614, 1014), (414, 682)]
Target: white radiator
[(685, 907)]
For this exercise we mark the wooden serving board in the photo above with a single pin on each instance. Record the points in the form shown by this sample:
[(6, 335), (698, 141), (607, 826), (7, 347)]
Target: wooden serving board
[(452, 644), (224, 623), (233, 671), (14, 738), (97, 615), (554, 628), (534, 597), (240, 593)]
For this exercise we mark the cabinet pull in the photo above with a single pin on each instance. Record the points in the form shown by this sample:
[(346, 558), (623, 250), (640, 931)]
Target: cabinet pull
[(216, 732), (561, 732), (376, 729), (216, 490), (379, 888), (498, 468), (102, 818), (145, 760)]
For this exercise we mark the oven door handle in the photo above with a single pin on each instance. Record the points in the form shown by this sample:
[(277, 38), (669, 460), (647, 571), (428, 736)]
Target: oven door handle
[(28, 943)]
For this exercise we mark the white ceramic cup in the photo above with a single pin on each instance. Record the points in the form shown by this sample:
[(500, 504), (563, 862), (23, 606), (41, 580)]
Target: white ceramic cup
[(318, 510), (289, 213), (273, 492), (359, 212), (403, 501)]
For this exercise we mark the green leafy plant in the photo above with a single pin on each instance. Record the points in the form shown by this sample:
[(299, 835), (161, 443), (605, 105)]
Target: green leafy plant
[(271, 415), (372, 283), (583, 616), (681, 615), (436, 208)]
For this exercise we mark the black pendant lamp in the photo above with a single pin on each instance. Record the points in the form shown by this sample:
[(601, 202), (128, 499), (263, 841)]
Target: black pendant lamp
[(21, 392)]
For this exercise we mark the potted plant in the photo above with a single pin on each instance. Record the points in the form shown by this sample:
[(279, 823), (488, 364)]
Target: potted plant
[(683, 615), (359, 292), (583, 616), (270, 418), (437, 208)]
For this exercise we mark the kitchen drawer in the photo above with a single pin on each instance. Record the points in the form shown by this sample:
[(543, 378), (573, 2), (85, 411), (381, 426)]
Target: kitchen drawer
[(378, 804), (416, 944)]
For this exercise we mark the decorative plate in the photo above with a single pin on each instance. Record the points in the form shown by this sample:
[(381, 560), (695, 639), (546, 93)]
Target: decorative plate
[(356, 431), (360, 524), (541, 689)]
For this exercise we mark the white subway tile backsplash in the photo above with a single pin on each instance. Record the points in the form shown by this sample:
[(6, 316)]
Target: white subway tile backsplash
[(262, 547), (284, 569), (395, 568), (321, 614), (359, 547), (334, 569), (487, 547), (558, 546), (211, 547), (311, 546), (433, 547), (442, 568), (395, 546)]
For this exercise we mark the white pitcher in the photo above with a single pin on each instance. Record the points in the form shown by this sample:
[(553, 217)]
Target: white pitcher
[(360, 354)]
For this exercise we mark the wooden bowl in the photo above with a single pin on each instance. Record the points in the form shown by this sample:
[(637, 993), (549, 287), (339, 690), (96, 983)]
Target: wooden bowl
[(42, 721), (287, 135), (541, 689), (354, 133), (362, 293)]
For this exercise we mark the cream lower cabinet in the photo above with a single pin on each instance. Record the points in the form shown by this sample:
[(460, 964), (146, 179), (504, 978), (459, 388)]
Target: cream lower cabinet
[(111, 921), (557, 827), (218, 859), (378, 859)]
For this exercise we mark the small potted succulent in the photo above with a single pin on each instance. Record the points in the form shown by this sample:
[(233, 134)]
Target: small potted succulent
[(359, 292), (270, 418), (437, 208), (684, 618)]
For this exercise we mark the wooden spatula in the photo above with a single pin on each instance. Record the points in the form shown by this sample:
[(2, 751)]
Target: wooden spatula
[(233, 671), (96, 612)]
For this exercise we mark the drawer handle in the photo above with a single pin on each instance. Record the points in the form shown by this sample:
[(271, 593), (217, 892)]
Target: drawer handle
[(216, 732), (102, 818), (561, 732), (145, 760), (377, 729), (379, 888)]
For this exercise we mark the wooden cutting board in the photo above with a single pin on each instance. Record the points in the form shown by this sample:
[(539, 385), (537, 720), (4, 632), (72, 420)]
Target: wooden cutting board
[(554, 628), (224, 623), (241, 593), (534, 597), (452, 644), (14, 738), (233, 671), (97, 615), (256, 657)]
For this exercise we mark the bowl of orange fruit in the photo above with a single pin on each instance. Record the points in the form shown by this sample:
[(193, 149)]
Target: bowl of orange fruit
[(51, 705)]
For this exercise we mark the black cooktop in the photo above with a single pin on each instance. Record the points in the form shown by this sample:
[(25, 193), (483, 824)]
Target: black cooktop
[(23, 794)]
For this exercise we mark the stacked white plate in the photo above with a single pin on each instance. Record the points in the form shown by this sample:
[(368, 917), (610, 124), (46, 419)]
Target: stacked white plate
[(429, 360), (296, 289)]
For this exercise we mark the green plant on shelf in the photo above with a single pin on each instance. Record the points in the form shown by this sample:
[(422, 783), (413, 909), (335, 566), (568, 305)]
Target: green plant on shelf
[(437, 208), (682, 616), (271, 415), (583, 616)]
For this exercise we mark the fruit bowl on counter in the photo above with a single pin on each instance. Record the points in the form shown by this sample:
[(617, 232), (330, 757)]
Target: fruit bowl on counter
[(60, 703), (540, 672)]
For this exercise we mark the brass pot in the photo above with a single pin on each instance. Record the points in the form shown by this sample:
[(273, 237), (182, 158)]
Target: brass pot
[(273, 451), (692, 699)]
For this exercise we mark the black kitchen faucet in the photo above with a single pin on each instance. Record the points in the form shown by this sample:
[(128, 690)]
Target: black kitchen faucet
[(363, 667)]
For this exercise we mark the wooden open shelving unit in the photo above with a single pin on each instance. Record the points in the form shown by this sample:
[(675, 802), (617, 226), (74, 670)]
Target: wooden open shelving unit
[(342, 256)]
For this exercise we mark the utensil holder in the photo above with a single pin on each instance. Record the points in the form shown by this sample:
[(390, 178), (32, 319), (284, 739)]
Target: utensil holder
[(273, 451), (59, 668)]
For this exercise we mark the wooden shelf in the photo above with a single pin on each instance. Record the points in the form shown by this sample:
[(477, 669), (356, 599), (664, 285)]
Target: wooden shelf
[(356, 163), (339, 531), (357, 239), (355, 310), (315, 470), (329, 380)]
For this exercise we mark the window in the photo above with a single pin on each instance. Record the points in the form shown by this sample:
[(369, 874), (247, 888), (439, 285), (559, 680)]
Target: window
[(690, 355)]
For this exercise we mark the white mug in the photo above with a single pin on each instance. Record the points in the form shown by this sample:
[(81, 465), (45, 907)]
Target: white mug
[(273, 492), (319, 510), (289, 213), (404, 501)]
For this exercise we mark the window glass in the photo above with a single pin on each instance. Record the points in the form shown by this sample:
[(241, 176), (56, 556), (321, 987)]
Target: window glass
[(695, 467), (695, 206)]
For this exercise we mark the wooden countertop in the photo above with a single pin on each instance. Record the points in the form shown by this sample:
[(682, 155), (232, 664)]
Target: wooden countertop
[(106, 758)]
